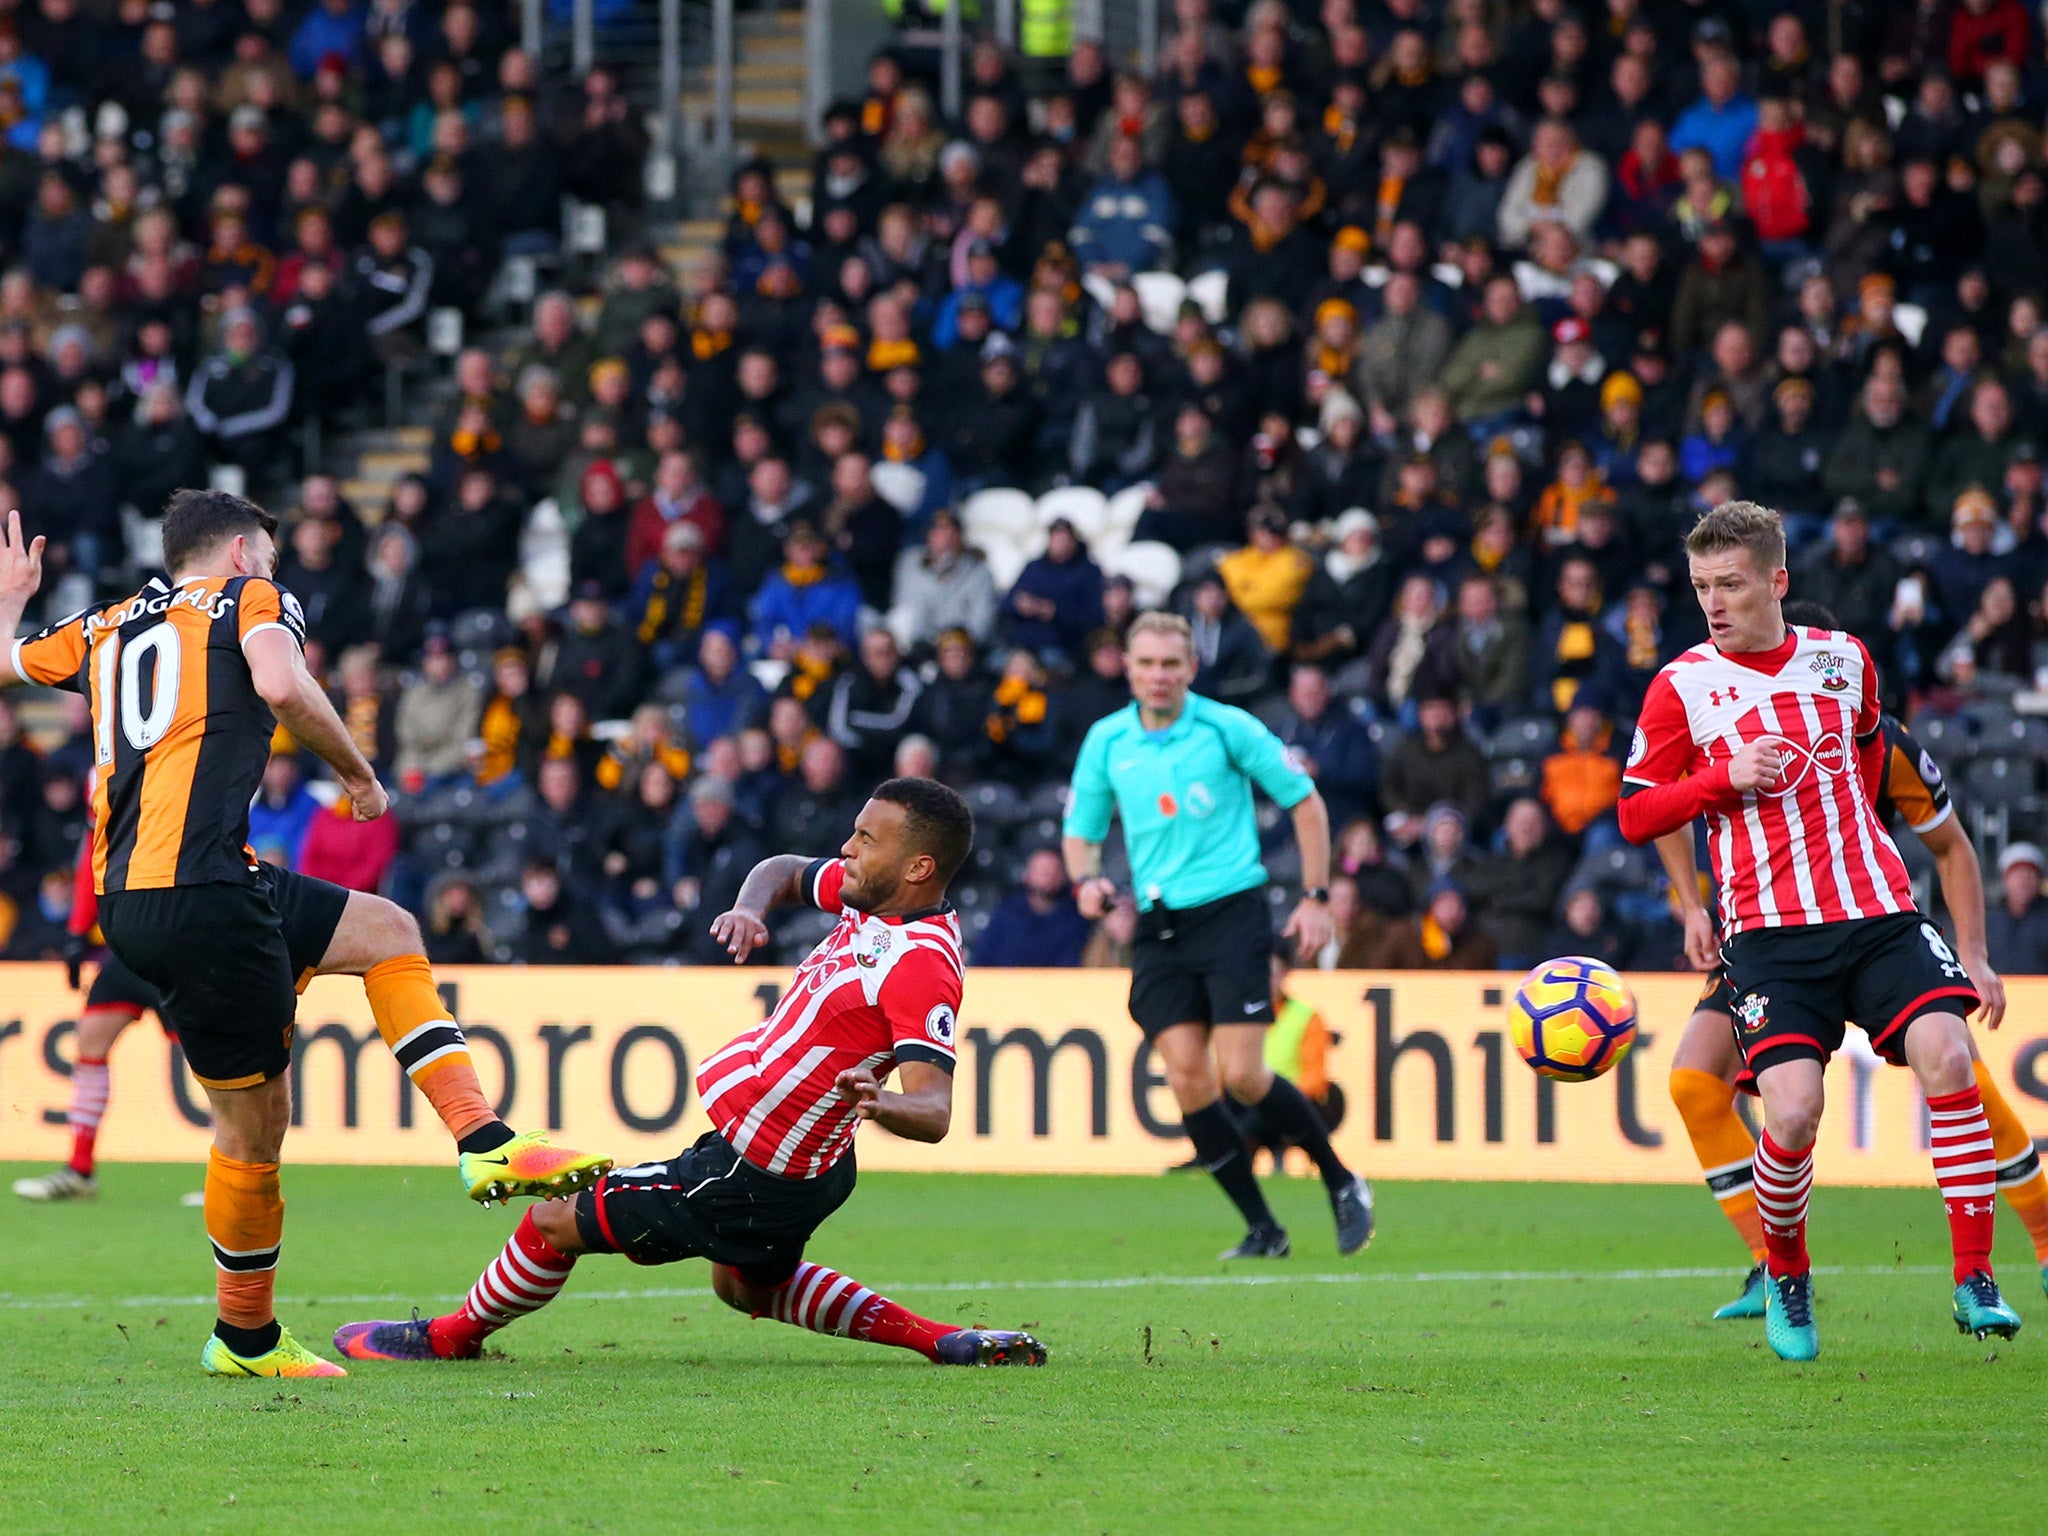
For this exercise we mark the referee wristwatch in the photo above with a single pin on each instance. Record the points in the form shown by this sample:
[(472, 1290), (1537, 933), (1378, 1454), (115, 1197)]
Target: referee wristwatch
[(1319, 893)]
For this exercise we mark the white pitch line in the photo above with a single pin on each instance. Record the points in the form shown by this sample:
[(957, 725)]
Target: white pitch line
[(13, 1303)]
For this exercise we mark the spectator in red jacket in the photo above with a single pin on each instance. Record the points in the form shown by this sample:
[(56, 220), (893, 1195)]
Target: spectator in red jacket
[(351, 853)]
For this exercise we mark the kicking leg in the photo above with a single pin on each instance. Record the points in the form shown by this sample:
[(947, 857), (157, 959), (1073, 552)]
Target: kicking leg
[(1240, 1054), (245, 1224), (528, 1273), (1702, 1087), (1959, 1141), (1793, 1096), (1183, 1050), (379, 941), (91, 1083), (824, 1301)]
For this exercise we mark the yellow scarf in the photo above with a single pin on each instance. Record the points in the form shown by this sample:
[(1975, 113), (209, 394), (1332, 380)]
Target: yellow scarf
[(362, 724), (1016, 699), (1387, 204), (1642, 643), (884, 355), (706, 345), (1548, 181), (500, 732), (1335, 362), (810, 675), (1342, 131), (560, 746), (803, 575), (904, 453), (655, 619), (472, 445), (1264, 77), (1435, 942)]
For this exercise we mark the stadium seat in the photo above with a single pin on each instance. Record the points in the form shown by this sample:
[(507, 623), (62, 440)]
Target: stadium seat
[(2000, 778), (1947, 740), (1082, 505), (1153, 568), (1915, 549), (1049, 799), (1528, 736), (2026, 735), (544, 556), (1006, 558), (900, 485), (1515, 775), (998, 512), (1211, 290), (1991, 720), (1911, 319), (1159, 298), (1127, 506), (996, 803)]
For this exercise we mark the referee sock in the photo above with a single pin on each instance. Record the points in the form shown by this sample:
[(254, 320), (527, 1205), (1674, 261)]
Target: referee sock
[(91, 1082), (1724, 1147), (825, 1301), (429, 1046), (2020, 1178), (525, 1277), (245, 1224), (1288, 1110), (1220, 1148)]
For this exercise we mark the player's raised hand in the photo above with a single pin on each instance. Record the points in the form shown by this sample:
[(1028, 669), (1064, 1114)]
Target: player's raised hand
[(740, 931), (21, 560), (1759, 765), (860, 1088), (368, 801)]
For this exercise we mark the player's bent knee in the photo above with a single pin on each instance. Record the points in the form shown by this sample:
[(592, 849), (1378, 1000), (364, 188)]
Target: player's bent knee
[(1938, 1050), (556, 1220), (731, 1287)]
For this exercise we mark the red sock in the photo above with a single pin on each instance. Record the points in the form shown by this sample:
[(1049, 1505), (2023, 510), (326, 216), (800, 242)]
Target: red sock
[(90, 1085), (523, 1278), (825, 1301), (1959, 1139), (1784, 1180)]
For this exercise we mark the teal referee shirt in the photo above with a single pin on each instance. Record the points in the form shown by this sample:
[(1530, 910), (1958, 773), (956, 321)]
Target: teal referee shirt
[(1185, 795)]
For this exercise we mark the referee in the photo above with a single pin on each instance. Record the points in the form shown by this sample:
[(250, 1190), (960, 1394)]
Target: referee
[(1179, 769)]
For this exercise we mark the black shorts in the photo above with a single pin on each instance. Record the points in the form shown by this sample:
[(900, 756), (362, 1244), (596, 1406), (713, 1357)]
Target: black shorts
[(116, 988), (1210, 964), (1795, 988), (230, 960), (1717, 996), (711, 1203)]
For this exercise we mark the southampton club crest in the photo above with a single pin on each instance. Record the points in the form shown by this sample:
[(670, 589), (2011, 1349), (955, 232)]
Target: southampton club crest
[(1750, 1011), (1828, 666)]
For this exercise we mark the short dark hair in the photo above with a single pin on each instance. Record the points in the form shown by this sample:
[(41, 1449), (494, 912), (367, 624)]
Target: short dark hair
[(940, 822), (1810, 615), (195, 521)]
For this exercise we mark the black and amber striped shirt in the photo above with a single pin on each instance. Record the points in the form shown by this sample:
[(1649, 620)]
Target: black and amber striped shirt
[(180, 735), (1913, 788)]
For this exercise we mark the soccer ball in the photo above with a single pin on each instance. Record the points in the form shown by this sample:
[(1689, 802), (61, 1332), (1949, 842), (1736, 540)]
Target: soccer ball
[(1572, 1019)]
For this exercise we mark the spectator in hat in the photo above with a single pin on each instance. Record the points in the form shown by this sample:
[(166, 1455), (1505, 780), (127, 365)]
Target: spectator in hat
[(1056, 600), (1582, 779), (1441, 937), (1444, 852), (2016, 925), (1037, 924), (598, 658), (1001, 295), (1568, 401), (241, 397), (1718, 442), (1232, 663), (1962, 570), (809, 587)]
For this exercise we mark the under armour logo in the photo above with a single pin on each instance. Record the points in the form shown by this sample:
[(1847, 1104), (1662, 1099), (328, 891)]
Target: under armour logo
[(1715, 696), (1971, 1208)]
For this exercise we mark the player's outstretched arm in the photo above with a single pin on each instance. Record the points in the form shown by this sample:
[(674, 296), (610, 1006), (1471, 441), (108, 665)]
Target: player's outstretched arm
[(923, 1111), (777, 881), (1962, 892), (21, 573), (278, 670), (1676, 851)]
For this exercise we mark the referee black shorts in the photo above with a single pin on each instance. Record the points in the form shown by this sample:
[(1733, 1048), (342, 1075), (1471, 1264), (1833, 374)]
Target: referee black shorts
[(228, 959), (711, 1203), (1210, 964)]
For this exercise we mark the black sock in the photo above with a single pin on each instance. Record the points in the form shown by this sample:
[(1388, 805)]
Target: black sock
[(248, 1342), (486, 1138), (1221, 1149), (1287, 1109)]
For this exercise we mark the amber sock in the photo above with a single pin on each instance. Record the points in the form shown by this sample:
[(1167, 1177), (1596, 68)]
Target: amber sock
[(1724, 1147), (245, 1224), (2020, 1178), (428, 1043)]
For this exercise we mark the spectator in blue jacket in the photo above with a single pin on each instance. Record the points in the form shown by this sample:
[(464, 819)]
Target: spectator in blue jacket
[(720, 696), (330, 27), (1057, 599), (1332, 745), (281, 812), (1723, 118), (1125, 223), (1038, 923), (1003, 295), (807, 588)]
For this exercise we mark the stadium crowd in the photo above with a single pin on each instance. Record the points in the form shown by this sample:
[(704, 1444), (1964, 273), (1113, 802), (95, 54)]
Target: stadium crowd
[(1401, 339)]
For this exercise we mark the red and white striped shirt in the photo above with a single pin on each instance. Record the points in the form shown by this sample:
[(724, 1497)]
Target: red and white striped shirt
[(876, 991), (1811, 850)]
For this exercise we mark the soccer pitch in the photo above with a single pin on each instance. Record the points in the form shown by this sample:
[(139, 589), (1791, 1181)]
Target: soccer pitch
[(1506, 1357)]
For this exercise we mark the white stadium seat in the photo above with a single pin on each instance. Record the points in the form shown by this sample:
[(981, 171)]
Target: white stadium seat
[(998, 512), (1082, 505), (1154, 570), (1159, 297), (1211, 290), (1126, 507)]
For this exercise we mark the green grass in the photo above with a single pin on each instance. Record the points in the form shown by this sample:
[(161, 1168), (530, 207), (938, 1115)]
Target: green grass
[(1557, 1400)]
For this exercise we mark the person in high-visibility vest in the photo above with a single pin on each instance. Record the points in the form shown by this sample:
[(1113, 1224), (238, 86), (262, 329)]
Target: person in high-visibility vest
[(928, 12), (1045, 28), (1298, 1049)]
